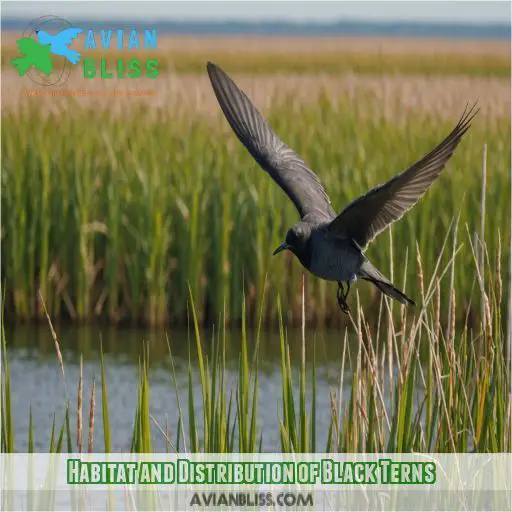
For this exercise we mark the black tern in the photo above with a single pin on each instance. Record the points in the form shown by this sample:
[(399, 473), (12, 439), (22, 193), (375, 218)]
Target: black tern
[(332, 246)]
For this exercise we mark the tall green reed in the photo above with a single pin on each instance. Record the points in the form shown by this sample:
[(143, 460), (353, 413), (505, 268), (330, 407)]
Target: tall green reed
[(127, 215), (415, 383)]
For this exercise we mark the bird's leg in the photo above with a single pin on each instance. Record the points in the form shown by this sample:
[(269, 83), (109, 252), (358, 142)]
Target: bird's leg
[(346, 293), (340, 291), (341, 296)]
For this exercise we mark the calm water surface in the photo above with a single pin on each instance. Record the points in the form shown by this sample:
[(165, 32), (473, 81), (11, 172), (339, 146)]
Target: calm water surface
[(36, 379)]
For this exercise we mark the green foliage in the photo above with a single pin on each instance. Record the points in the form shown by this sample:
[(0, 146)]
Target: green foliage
[(116, 217), (104, 403), (157, 218), (414, 386), (287, 60)]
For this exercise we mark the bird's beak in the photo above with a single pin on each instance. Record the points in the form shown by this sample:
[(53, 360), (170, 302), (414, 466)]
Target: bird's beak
[(282, 247)]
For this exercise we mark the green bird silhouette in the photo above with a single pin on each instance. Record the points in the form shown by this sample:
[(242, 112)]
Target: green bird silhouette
[(34, 54)]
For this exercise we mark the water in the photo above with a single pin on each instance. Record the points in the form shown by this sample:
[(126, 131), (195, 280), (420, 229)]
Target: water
[(395, 28), (36, 379)]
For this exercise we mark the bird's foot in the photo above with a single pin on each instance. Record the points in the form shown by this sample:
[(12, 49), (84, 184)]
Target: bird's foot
[(342, 296), (344, 306)]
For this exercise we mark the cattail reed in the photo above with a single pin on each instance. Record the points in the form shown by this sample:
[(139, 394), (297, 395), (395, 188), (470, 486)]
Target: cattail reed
[(92, 406), (79, 421), (420, 273), (487, 310), (499, 284), (481, 246), (443, 405), (437, 309), (218, 218), (57, 345), (451, 335)]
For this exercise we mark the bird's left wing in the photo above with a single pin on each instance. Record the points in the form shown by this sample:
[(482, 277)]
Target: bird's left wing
[(27, 46), (363, 219), (66, 36), (284, 166)]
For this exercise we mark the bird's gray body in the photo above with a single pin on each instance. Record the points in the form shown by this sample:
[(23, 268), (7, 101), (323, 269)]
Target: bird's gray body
[(333, 258), (332, 246)]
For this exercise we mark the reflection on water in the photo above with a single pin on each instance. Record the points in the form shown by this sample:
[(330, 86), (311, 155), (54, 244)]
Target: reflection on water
[(36, 380)]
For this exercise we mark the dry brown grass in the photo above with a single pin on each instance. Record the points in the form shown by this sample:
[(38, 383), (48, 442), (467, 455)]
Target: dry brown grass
[(389, 96), (308, 45)]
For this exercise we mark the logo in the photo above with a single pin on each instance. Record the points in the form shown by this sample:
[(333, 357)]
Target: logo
[(49, 52), (46, 57)]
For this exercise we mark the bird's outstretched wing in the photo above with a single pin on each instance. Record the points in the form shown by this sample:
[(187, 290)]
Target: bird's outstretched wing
[(28, 46), (66, 36), (282, 163), (44, 64), (363, 219)]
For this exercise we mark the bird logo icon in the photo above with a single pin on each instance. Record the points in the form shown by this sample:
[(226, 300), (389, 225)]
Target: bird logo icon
[(39, 49), (33, 54), (59, 43)]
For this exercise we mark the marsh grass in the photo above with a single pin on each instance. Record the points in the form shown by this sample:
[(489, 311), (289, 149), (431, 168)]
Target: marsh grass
[(113, 218), (414, 386), (318, 55)]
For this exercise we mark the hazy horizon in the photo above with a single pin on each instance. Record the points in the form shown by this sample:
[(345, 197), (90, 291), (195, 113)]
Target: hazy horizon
[(464, 12)]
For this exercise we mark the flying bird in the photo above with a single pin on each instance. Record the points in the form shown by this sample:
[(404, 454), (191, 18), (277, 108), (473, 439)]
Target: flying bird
[(33, 54), (59, 43), (332, 246)]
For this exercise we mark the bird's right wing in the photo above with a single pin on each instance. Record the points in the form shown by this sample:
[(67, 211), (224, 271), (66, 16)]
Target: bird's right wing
[(282, 163), (363, 219), (66, 36)]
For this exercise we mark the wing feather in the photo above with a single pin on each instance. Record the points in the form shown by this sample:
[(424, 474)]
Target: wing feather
[(286, 168), (363, 219), (67, 35)]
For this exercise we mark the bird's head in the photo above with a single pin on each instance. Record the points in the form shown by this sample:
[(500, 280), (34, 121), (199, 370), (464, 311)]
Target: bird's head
[(43, 37), (296, 240)]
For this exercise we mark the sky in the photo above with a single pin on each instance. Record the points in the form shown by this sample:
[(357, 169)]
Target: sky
[(449, 11)]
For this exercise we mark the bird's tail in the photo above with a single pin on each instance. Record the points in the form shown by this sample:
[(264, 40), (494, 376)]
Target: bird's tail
[(22, 64), (370, 273), (72, 56)]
